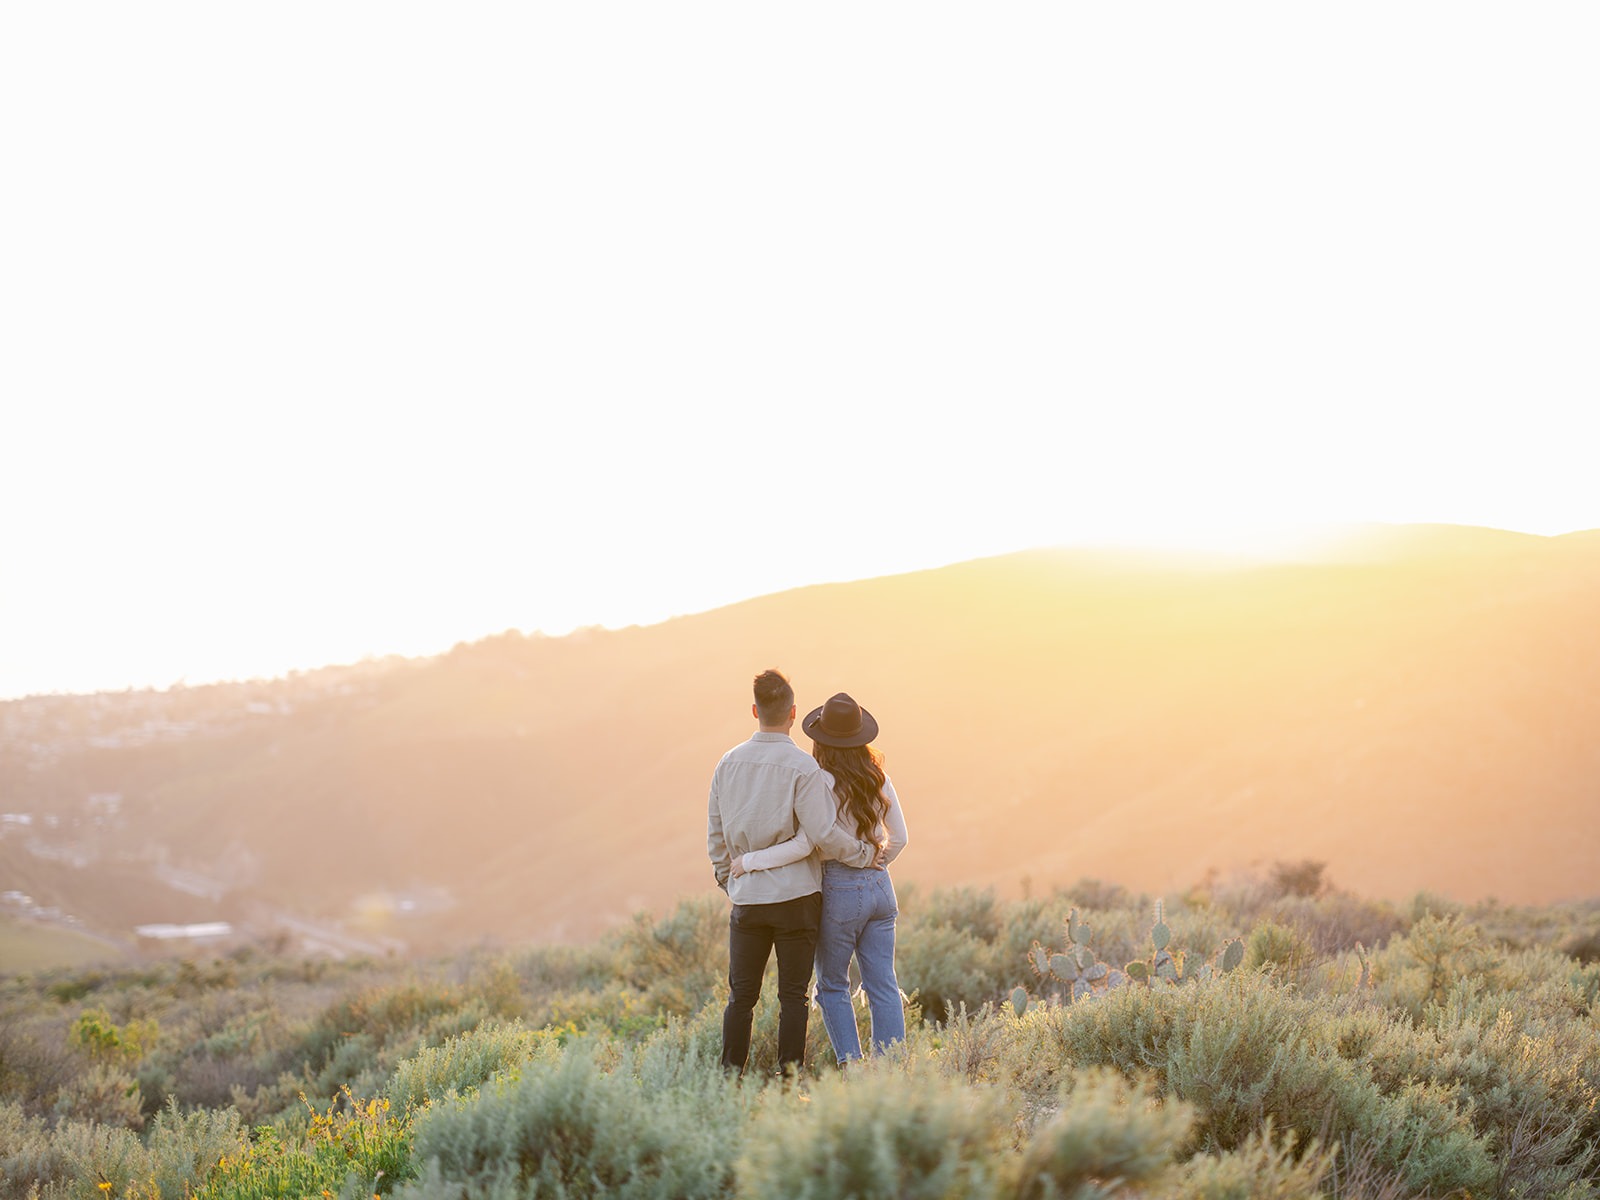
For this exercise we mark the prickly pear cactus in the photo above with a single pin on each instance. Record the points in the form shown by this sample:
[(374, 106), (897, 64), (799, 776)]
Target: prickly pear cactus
[(1019, 1001), (1077, 931), (1075, 965), (1232, 955), (1168, 967), (1083, 975)]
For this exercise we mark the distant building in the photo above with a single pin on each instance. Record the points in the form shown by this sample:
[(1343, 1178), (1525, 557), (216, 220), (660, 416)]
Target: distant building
[(172, 937)]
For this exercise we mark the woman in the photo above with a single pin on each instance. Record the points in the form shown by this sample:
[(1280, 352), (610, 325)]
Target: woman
[(858, 903)]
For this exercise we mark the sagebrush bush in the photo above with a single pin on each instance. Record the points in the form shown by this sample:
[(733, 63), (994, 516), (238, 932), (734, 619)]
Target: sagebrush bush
[(354, 1147), (1243, 1050), (1262, 1168), (1458, 1053), (615, 1008), (1278, 948), (1107, 1136), (182, 1149), (28, 1158), (463, 1063), (946, 967), (876, 1134), (85, 1154), (675, 963), (573, 1128), (1422, 965), (103, 1094)]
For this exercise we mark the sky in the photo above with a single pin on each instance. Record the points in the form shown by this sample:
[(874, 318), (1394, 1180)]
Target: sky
[(338, 330)]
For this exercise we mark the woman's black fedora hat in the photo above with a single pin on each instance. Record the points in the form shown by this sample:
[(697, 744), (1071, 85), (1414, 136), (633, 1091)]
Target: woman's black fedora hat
[(840, 722)]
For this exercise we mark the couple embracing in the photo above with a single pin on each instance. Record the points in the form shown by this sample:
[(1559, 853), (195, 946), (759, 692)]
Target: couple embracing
[(801, 843)]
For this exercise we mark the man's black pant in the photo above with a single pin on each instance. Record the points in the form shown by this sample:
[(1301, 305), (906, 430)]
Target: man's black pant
[(754, 931)]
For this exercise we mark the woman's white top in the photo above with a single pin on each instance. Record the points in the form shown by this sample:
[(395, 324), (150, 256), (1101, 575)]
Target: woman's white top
[(781, 854)]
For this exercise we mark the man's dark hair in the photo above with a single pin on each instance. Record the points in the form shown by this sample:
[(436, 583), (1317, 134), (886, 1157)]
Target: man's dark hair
[(774, 697)]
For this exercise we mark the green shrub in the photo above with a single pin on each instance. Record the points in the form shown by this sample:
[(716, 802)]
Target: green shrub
[(1278, 947), (1420, 967), (676, 962), (971, 1045), (877, 1134), (461, 1064), (104, 1094), (86, 1154), (569, 1127), (1242, 1051), (1531, 1084), (184, 1148), (354, 1145), (1300, 878), (946, 967), (616, 1007), (106, 1043), (1262, 1168), (1106, 1137), (1336, 922), (28, 1158), (971, 910)]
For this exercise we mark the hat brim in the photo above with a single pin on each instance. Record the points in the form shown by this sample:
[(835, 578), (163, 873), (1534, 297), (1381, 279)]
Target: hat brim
[(812, 728)]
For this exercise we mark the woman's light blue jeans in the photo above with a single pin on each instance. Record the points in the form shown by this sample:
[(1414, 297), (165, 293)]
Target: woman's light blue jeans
[(858, 915)]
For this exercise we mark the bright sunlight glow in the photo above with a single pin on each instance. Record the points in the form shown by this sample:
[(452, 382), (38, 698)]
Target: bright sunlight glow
[(348, 330)]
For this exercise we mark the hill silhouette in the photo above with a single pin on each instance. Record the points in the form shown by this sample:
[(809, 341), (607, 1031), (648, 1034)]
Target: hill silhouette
[(1415, 707)]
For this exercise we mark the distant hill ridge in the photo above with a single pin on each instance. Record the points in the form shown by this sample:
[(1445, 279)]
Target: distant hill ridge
[(1416, 706)]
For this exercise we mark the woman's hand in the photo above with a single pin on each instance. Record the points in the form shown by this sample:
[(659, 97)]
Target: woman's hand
[(736, 868)]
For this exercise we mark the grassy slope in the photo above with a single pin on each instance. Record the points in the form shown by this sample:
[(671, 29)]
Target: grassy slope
[(27, 946), (1420, 717)]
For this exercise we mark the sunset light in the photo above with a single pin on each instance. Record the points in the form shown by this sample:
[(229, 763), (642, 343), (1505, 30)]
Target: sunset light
[(610, 321), (740, 601)]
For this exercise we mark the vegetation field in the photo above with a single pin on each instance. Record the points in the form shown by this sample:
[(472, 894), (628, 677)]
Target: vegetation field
[(26, 946), (1269, 1038)]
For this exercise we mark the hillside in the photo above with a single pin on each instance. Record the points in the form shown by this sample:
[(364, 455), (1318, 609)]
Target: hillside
[(1417, 708)]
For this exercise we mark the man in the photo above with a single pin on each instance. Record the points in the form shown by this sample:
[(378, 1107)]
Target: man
[(760, 792)]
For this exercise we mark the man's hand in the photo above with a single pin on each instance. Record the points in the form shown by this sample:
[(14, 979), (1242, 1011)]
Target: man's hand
[(881, 858)]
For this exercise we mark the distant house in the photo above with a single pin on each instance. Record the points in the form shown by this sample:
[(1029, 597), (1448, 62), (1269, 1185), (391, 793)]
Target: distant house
[(175, 937)]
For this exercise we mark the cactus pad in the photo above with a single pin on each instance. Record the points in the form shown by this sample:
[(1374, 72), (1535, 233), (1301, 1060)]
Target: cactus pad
[(1233, 955), (1077, 931)]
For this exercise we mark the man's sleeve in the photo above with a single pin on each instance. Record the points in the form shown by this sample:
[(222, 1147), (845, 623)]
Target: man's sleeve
[(816, 813), (716, 844)]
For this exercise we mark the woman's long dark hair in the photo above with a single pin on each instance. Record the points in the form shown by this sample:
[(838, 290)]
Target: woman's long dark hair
[(858, 779)]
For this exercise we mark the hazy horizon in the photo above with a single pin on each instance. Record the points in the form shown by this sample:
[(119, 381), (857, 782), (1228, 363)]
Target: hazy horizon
[(1413, 708), (1260, 545)]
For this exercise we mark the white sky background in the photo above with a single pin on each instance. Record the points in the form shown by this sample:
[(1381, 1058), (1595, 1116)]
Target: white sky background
[(332, 330)]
